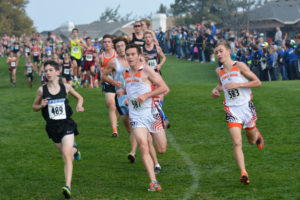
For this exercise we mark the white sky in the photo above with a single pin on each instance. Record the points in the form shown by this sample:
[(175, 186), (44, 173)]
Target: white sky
[(50, 14)]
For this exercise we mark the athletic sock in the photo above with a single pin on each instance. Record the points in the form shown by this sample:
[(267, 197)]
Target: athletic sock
[(157, 165)]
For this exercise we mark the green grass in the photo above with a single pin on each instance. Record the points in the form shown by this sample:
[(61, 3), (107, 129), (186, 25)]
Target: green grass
[(198, 164)]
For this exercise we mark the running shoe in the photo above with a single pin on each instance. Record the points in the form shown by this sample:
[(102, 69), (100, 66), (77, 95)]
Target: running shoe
[(114, 135), (166, 124), (157, 170), (260, 140), (66, 191), (131, 157), (154, 186), (77, 155), (244, 178)]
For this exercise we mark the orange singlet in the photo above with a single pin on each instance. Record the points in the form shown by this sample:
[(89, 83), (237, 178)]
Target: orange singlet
[(106, 60)]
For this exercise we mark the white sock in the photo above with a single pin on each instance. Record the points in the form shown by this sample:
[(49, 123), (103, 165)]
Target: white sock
[(157, 165)]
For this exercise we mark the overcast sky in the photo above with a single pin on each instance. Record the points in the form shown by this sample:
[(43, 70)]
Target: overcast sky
[(48, 15)]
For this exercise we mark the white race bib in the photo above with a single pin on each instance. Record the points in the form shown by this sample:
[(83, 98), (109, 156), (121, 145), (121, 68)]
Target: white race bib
[(49, 53), (152, 63), (5, 42), (16, 47), (66, 71), (233, 94), (29, 70), (57, 109), (89, 57), (135, 104), (75, 49), (13, 64), (35, 53), (27, 50)]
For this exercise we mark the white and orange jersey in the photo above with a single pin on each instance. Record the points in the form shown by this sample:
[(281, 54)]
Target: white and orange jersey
[(135, 87), (105, 60), (238, 96)]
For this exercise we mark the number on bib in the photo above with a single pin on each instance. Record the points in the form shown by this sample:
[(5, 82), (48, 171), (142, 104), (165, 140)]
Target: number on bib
[(135, 104), (13, 64), (49, 53), (89, 57), (35, 53), (57, 109), (66, 71), (75, 49), (233, 94), (29, 70), (152, 63)]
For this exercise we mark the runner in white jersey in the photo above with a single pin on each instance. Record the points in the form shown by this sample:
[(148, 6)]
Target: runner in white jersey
[(144, 117), (236, 79), (116, 67)]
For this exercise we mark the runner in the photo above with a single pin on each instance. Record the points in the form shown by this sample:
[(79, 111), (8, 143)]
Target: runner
[(76, 55), (137, 37), (66, 70), (52, 100), (28, 71), (116, 67), (154, 53), (36, 56), (90, 57), (146, 27), (144, 117), (12, 61), (236, 80), (5, 44), (109, 90)]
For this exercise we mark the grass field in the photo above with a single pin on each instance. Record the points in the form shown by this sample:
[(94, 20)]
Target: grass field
[(198, 164)]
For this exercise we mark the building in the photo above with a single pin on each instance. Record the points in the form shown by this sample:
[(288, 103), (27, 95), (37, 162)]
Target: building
[(282, 13)]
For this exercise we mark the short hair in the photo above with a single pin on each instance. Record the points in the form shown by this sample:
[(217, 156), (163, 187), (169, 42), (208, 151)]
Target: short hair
[(134, 46), (53, 64), (148, 23), (108, 36), (225, 44), (148, 33), (75, 29), (88, 38), (120, 39)]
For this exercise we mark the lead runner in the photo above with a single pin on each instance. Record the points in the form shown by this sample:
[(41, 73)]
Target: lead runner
[(236, 80), (51, 98)]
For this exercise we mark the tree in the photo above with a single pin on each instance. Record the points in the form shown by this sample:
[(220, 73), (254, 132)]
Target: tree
[(110, 14), (13, 18), (162, 9), (226, 13)]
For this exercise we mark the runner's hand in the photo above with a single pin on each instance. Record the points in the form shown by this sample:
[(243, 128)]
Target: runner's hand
[(142, 98), (229, 86), (79, 108), (215, 93), (44, 103), (120, 92), (118, 84)]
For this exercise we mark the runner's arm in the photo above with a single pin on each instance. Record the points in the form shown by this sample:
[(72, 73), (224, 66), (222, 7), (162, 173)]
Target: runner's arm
[(39, 102), (162, 55), (155, 79), (109, 69), (245, 71), (216, 91), (75, 94)]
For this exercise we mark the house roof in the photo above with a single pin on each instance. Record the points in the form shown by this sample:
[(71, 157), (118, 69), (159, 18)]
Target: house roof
[(96, 29), (284, 11)]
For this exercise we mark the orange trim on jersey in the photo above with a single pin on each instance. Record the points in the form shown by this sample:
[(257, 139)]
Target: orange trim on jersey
[(249, 129), (138, 74), (234, 68), (234, 124), (106, 60)]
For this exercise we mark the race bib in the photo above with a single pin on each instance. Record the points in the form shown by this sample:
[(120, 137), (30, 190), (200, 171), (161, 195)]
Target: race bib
[(49, 53), (57, 109), (233, 94), (66, 71), (35, 53), (13, 64), (27, 50), (5, 42), (75, 49), (89, 57), (135, 104), (29, 70), (16, 47), (152, 63)]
